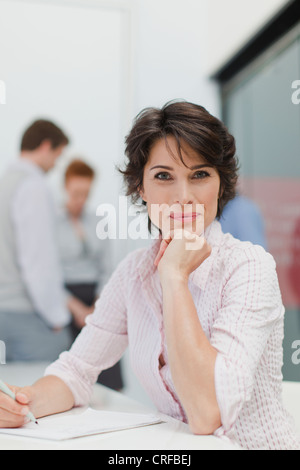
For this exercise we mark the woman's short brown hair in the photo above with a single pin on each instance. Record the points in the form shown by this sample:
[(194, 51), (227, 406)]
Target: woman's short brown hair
[(79, 168), (188, 123)]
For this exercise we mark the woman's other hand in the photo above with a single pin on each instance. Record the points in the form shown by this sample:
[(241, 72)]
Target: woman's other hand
[(13, 412)]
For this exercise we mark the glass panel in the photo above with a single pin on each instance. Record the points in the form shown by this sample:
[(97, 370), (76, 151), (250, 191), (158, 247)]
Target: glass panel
[(265, 120)]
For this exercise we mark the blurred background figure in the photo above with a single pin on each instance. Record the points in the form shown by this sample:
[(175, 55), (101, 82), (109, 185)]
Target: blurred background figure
[(86, 260), (242, 218), (33, 309)]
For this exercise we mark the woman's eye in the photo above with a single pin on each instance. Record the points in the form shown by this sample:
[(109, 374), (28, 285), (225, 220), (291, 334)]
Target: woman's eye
[(162, 176), (201, 174)]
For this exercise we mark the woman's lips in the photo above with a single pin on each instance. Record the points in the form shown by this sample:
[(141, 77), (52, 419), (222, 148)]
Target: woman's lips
[(181, 216)]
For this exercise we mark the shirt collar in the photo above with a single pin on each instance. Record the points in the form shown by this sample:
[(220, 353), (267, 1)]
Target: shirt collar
[(213, 234)]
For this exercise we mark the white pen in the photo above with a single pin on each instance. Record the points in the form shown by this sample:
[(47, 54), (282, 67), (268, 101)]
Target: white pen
[(4, 388)]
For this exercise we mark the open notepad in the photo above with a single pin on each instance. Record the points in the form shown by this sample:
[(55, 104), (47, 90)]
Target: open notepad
[(90, 422)]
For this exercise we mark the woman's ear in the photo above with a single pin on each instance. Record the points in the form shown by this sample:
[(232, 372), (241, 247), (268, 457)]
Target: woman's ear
[(142, 193)]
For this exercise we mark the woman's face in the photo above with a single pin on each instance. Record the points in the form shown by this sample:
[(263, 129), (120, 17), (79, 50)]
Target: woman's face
[(78, 190), (177, 196)]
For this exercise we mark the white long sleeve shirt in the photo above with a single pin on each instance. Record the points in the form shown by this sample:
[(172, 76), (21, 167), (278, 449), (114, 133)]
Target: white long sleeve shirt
[(32, 217)]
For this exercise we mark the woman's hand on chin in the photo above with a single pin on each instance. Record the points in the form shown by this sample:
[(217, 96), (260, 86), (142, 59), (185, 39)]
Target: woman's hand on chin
[(181, 252)]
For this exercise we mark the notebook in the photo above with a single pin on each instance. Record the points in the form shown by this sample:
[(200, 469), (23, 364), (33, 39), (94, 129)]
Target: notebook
[(90, 422)]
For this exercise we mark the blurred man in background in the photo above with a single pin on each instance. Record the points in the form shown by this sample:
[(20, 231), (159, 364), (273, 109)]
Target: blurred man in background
[(243, 219), (34, 311)]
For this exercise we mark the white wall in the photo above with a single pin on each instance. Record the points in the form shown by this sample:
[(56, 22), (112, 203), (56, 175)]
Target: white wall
[(171, 53), (232, 23), (67, 62)]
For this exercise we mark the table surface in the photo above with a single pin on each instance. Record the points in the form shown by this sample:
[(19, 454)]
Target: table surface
[(171, 435)]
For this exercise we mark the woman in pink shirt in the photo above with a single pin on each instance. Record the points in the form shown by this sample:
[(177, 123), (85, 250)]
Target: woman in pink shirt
[(200, 311)]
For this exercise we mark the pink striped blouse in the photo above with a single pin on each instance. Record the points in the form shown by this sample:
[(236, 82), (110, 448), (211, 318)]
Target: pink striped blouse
[(239, 305)]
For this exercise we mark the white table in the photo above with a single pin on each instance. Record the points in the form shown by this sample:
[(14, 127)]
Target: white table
[(172, 435)]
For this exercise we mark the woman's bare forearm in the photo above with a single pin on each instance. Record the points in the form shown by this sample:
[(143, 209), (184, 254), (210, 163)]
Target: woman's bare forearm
[(50, 396), (192, 358)]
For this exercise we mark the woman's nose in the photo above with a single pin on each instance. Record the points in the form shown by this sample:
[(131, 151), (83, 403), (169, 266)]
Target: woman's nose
[(183, 195)]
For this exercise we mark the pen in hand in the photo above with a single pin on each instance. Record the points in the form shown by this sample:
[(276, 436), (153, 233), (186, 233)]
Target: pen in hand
[(4, 388)]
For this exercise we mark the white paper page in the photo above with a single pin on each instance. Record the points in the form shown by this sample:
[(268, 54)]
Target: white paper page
[(88, 423)]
